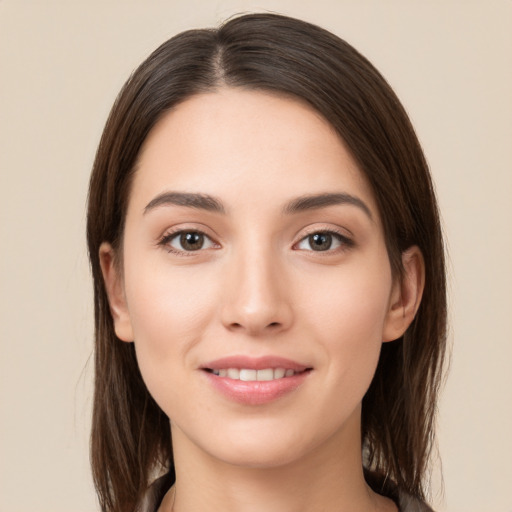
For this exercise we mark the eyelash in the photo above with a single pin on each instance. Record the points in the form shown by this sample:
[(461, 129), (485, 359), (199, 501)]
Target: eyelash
[(166, 240), (345, 242)]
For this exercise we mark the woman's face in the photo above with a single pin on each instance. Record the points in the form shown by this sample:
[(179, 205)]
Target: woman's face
[(253, 250)]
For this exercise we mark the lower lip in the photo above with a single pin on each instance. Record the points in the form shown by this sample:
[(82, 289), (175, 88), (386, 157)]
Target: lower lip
[(256, 392)]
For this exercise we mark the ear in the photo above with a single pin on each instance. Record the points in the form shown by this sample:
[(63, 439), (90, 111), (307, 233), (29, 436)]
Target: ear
[(115, 292), (406, 295)]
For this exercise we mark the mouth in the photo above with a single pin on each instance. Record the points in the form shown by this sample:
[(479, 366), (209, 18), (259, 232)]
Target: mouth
[(255, 381)]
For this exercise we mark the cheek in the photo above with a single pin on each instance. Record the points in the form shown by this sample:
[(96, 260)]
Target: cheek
[(351, 301), (347, 315), (169, 313), (167, 305)]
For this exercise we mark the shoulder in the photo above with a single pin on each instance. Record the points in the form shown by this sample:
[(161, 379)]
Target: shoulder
[(386, 487)]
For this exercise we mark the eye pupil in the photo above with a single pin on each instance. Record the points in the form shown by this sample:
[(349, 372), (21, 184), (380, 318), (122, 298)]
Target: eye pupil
[(320, 241), (192, 241)]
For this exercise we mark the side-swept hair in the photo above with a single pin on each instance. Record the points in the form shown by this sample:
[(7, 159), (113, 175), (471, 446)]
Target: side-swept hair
[(130, 439)]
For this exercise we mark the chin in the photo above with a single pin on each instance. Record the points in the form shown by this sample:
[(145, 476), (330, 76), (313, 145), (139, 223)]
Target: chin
[(266, 444), (258, 456)]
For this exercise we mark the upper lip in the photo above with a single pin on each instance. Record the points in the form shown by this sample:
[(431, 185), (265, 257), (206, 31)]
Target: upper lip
[(255, 363)]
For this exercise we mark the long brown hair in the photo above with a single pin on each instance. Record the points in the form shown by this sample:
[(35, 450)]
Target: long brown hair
[(130, 440)]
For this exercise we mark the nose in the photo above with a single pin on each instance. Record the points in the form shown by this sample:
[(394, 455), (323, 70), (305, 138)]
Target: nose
[(256, 298)]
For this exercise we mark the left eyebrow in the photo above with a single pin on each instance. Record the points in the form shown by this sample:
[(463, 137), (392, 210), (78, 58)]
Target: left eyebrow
[(315, 201)]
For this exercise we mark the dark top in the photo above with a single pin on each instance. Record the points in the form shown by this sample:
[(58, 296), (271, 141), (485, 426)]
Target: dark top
[(404, 502)]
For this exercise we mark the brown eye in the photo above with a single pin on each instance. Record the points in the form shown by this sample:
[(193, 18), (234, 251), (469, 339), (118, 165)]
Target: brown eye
[(191, 241), (324, 241), (187, 241), (320, 241)]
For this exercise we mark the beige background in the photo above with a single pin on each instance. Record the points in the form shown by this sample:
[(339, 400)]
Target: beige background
[(61, 65)]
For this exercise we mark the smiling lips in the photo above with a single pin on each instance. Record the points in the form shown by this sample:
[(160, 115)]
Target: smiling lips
[(255, 381)]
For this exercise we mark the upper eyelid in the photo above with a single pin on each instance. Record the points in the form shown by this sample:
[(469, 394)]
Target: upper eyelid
[(193, 227), (315, 228), (170, 235), (335, 234)]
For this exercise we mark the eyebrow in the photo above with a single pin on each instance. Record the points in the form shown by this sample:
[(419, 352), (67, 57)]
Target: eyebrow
[(315, 201), (212, 204), (190, 200)]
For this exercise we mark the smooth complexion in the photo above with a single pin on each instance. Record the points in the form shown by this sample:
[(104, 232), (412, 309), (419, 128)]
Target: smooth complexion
[(252, 235)]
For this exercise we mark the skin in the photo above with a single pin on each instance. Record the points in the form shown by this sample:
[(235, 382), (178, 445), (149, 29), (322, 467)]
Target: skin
[(258, 288)]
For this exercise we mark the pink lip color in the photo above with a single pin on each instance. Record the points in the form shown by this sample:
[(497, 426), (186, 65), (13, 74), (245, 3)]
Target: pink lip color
[(255, 392), (255, 363)]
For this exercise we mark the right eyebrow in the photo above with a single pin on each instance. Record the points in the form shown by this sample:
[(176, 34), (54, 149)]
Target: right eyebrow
[(190, 200)]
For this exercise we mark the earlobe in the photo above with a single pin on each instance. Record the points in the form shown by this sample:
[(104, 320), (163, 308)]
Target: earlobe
[(406, 295), (115, 292)]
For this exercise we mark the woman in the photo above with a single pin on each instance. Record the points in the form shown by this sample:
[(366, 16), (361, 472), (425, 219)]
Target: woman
[(269, 281)]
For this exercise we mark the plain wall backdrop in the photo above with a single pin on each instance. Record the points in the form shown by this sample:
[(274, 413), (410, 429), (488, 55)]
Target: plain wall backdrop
[(61, 66)]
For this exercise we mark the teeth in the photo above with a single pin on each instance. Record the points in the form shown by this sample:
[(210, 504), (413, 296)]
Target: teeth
[(279, 373), (250, 375), (233, 373), (267, 374)]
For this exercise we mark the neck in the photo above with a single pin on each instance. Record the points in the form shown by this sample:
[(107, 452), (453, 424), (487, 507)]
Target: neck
[(317, 481)]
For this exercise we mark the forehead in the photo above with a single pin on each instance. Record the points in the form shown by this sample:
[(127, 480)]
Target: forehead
[(246, 145)]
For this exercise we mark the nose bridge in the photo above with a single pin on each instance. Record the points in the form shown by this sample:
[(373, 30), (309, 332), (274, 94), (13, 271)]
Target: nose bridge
[(256, 299)]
